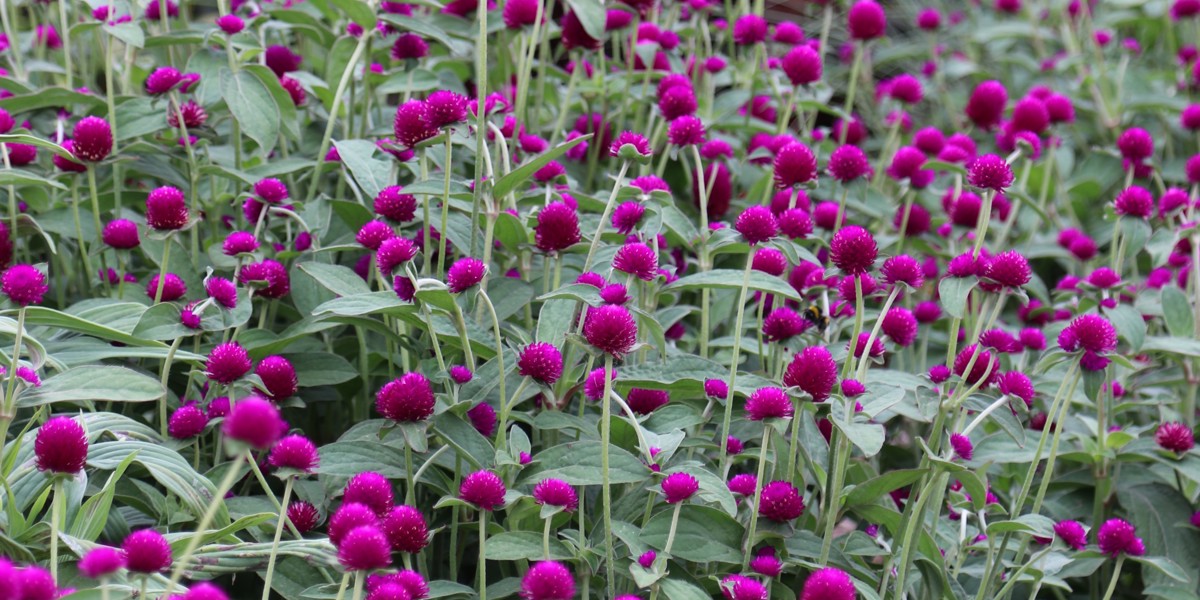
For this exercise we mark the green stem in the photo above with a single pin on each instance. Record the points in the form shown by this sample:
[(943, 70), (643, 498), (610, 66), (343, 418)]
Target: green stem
[(461, 322), (359, 579), (181, 563), (334, 106), (506, 409), (499, 357), (546, 538), (91, 173), (9, 403), (446, 164), (482, 545), (754, 509), (1112, 583), (733, 364), (56, 513), (848, 105), (865, 360), (608, 208), (162, 379), (481, 92), (671, 531), (287, 496), (162, 269), (66, 44), (605, 434), (342, 588)]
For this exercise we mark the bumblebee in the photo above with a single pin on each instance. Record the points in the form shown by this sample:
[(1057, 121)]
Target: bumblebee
[(813, 314)]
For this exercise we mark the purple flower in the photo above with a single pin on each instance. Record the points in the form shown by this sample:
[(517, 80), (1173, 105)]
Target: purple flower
[(61, 446), (678, 487), (556, 492), (484, 489), (146, 551)]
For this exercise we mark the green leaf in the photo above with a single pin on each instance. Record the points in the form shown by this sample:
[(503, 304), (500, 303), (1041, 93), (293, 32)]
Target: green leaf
[(509, 182), (138, 116), (1165, 566), (321, 368), (523, 545), (283, 101), (591, 15), (93, 383), (93, 515), (40, 315), (953, 292), (554, 321), (731, 279), (385, 302), (346, 459), (867, 437), (704, 534), (674, 589), (253, 107), (1129, 323), (1177, 312), (358, 11), (51, 97), (371, 174), (340, 280), (578, 463), (1156, 510), (871, 490), (19, 177), (167, 467), (465, 439), (21, 138), (129, 32), (423, 27), (1172, 345)]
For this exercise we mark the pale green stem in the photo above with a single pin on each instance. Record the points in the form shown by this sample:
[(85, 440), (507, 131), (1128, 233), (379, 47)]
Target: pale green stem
[(506, 409), (162, 379), (287, 496), (359, 579), (865, 360), (214, 504), (605, 434), (462, 330), (446, 166), (335, 105), (56, 511), (342, 588), (848, 105), (1112, 583), (546, 538), (482, 561), (733, 364), (499, 357), (91, 173), (754, 509), (671, 531), (608, 208), (162, 269), (66, 44)]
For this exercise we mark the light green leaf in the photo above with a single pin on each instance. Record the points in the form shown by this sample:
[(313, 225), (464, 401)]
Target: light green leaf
[(509, 182), (578, 463), (167, 467), (253, 107), (954, 291), (1177, 312), (731, 279), (703, 535), (523, 545), (371, 174), (93, 383)]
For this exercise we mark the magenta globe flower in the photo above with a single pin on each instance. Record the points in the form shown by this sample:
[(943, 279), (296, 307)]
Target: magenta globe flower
[(146, 551), (828, 584), (364, 548), (548, 580), (768, 403), (678, 487), (295, 453), (255, 422), (541, 362), (465, 274), (611, 329), (406, 399), (556, 492), (484, 489), (24, 285), (406, 529), (369, 489), (92, 140), (227, 363), (101, 561), (61, 446)]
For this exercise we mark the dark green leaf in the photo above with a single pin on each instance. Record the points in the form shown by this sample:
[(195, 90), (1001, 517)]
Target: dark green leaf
[(93, 383), (253, 107), (509, 182)]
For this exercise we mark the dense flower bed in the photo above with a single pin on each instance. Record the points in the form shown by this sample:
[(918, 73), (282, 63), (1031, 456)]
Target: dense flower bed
[(317, 299)]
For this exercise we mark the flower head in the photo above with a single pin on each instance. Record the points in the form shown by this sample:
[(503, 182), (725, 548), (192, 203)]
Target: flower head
[(962, 446), (1117, 536), (643, 401), (1008, 269), (627, 215), (802, 65), (1134, 201), (484, 489), (990, 172), (364, 548), (92, 140), (853, 250), (227, 363), (61, 446), (686, 130), (716, 388), (638, 260), (24, 285), (781, 502), (146, 551), (188, 421), (782, 323), (985, 368), (101, 561), (556, 492), (765, 563), (166, 209), (303, 515), (848, 163), (222, 290), (173, 288), (678, 487), (768, 403), (548, 580), (557, 227), (369, 489), (813, 371), (1089, 332), (254, 421), (738, 587), (406, 529), (610, 328), (986, 105), (1175, 437), (1135, 144), (828, 583), (446, 108), (413, 123), (295, 453), (1072, 533), (757, 224), (636, 141), (794, 164), (902, 269), (541, 362), (866, 20), (409, 46), (406, 399), (465, 274)]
